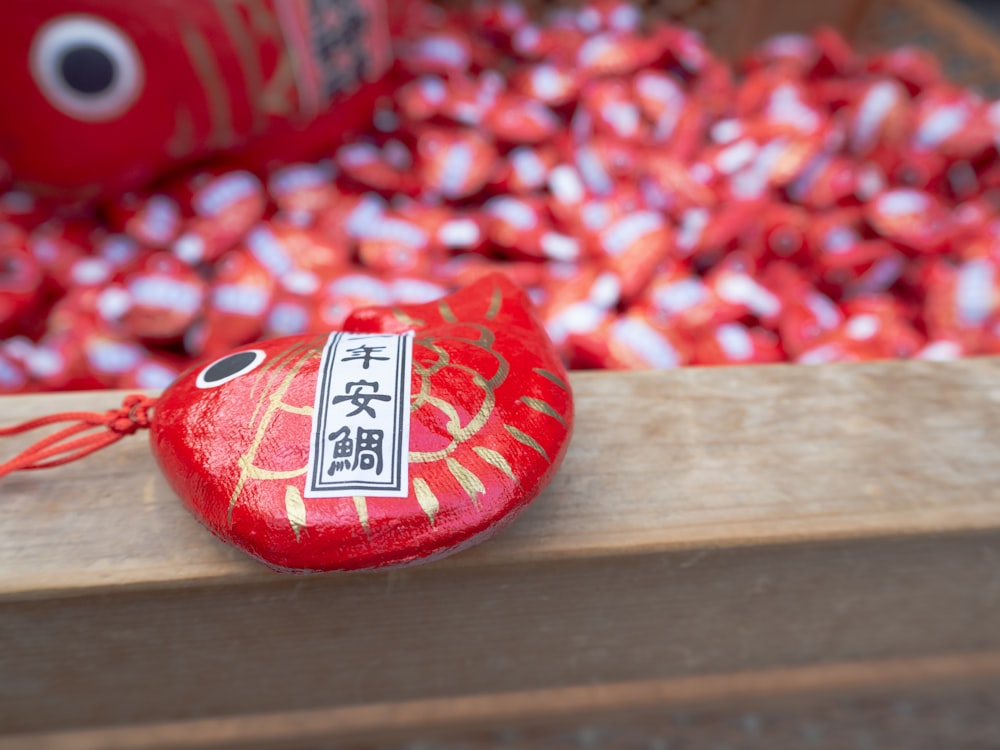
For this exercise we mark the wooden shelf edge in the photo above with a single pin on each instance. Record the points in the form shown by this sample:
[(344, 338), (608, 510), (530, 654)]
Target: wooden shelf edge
[(691, 551), (430, 718), (691, 459)]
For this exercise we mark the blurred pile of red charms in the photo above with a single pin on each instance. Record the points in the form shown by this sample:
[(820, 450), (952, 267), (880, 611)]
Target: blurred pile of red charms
[(663, 208)]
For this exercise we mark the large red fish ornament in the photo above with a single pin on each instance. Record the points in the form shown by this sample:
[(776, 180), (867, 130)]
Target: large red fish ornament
[(413, 433), (101, 96)]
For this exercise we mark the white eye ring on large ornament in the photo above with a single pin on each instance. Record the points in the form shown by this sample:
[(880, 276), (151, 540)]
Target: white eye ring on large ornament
[(229, 368), (86, 67)]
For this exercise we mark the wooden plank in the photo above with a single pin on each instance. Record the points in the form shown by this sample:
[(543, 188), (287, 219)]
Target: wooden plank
[(706, 521), (443, 631), (660, 461), (755, 704)]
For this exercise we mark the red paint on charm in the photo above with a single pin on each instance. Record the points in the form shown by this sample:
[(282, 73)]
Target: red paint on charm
[(111, 95), (491, 416)]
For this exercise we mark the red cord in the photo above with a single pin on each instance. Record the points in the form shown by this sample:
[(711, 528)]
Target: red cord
[(64, 446)]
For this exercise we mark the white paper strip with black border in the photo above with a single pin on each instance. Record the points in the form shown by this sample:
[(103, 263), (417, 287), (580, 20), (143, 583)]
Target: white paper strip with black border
[(361, 418)]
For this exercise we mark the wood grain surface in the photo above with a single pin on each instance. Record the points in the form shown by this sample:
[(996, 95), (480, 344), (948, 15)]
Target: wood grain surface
[(707, 524), (841, 707), (660, 461)]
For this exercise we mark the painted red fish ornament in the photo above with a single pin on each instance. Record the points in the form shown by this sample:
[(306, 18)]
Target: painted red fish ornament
[(102, 96), (413, 433)]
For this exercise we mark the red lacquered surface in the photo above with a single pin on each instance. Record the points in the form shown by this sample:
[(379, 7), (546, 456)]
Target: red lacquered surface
[(491, 416), (104, 96)]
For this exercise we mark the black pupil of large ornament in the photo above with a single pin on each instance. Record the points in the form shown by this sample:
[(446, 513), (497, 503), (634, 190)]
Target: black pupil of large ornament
[(87, 70), (230, 365)]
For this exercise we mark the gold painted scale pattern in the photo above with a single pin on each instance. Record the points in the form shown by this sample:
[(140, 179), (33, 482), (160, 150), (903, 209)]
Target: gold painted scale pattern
[(245, 22), (270, 392)]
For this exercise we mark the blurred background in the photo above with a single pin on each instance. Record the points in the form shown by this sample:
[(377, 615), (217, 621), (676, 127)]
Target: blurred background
[(990, 9)]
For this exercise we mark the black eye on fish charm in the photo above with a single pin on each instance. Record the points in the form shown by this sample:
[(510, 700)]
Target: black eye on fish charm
[(229, 368)]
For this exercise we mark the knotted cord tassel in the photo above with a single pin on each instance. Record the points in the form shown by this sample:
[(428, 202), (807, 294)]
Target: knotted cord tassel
[(73, 442)]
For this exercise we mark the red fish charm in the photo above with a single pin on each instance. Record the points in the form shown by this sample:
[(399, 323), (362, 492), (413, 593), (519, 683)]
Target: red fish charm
[(413, 433), (110, 95)]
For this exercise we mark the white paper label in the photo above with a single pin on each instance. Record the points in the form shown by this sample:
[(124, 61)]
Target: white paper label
[(361, 418)]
